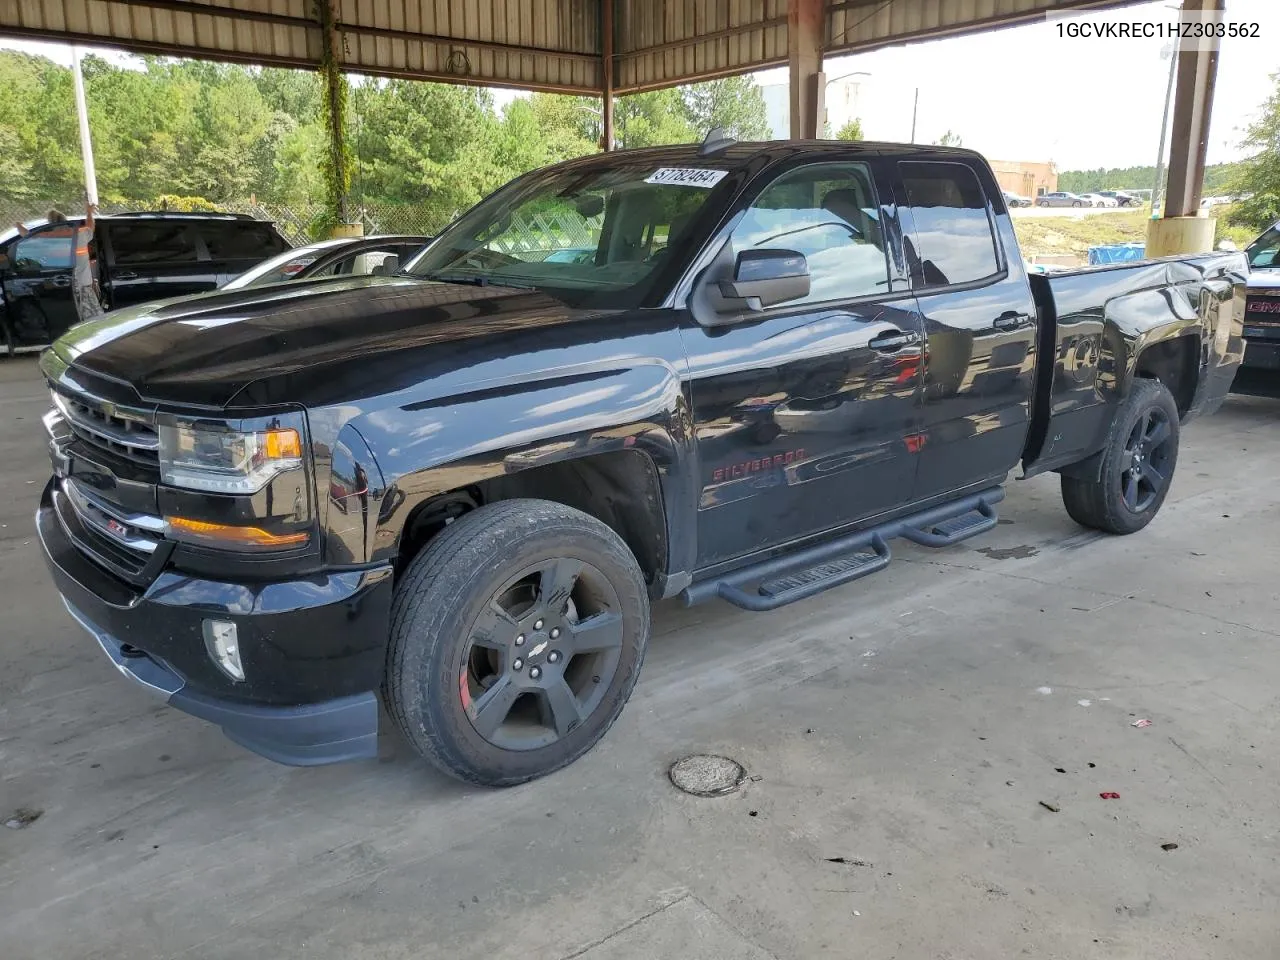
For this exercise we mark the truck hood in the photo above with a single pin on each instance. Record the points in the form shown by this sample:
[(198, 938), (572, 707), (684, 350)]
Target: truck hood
[(305, 342), (1264, 278)]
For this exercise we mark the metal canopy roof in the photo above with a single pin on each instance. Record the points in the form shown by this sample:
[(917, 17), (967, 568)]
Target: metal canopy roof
[(533, 44)]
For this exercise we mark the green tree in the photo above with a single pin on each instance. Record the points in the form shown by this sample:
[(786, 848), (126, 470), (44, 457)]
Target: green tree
[(851, 130), (1258, 177), (735, 104), (653, 119), (949, 139)]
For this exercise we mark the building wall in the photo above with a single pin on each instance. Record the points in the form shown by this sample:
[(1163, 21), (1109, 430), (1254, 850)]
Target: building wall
[(1026, 179), (842, 100)]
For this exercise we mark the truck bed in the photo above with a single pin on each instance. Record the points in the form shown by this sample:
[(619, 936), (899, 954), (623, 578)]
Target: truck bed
[(1097, 322)]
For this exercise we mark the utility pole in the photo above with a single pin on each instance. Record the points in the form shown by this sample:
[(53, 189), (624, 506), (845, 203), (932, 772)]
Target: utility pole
[(86, 144), (914, 108)]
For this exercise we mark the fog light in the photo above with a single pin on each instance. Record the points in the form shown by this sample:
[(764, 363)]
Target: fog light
[(220, 640)]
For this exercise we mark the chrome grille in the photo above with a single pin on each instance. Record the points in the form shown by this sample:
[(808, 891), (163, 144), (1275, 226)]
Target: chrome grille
[(108, 427), (129, 544)]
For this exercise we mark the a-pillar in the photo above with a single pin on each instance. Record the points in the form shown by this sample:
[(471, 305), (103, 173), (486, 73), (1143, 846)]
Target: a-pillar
[(804, 49)]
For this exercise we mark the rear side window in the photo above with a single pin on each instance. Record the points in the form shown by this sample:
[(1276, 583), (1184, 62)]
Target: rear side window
[(954, 241), (240, 240), (152, 241)]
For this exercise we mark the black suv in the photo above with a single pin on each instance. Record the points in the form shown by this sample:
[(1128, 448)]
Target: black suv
[(140, 257)]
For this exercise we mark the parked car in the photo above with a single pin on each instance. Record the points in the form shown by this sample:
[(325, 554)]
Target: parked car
[(1016, 200), (1061, 198), (461, 489), (140, 257), (1262, 307), (376, 256), (1122, 198), (1097, 200)]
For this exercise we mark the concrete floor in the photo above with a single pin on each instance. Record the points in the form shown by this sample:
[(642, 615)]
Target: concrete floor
[(913, 722)]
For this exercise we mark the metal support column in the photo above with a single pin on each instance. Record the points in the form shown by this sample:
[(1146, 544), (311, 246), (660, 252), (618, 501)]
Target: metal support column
[(337, 161), (804, 48), (606, 75), (1197, 72)]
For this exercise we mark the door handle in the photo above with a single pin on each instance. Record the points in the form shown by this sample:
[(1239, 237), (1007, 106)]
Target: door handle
[(61, 281), (892, 340), (128, 275), (1010, 321)]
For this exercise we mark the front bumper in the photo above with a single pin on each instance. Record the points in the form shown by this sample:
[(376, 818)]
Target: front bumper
[(313, 649)]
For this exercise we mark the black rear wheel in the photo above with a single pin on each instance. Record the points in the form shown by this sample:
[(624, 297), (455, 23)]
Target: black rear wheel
[(517, 636), (1137, 465)]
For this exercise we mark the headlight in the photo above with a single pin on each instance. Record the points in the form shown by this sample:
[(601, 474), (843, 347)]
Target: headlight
[(222, 458)]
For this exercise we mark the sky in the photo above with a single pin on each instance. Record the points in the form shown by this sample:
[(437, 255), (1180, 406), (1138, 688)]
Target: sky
[(1027, 93)]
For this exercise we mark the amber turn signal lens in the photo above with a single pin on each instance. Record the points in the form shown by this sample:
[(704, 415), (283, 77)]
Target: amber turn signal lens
[(221, 534), (283, 445)]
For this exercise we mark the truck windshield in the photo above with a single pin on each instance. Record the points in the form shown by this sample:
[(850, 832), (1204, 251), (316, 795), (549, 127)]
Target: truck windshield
[(593, 236), (1265, 251)]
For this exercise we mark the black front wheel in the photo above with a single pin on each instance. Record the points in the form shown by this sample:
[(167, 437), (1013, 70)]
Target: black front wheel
[(516, 638), (1137, 464)]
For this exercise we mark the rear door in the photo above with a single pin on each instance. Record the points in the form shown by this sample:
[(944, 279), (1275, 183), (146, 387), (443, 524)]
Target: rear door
[(805, 413), (150, 259), (236, 245), (979, 321)]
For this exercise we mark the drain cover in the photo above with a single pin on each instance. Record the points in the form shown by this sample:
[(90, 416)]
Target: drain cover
[(706, 775)]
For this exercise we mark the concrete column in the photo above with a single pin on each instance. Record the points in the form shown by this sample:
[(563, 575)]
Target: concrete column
[(1192, 105), (1181, 230), (804, 48)]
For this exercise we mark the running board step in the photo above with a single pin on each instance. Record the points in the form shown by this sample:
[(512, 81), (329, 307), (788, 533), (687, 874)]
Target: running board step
[(832, 573), (946, 532), (772, 583)]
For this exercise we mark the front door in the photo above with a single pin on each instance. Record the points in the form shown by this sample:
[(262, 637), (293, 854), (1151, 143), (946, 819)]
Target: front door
[(37, 284), (980, 323), (806, 412)]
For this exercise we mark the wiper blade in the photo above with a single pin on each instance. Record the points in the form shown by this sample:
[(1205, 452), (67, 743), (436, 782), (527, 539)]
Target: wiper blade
[(469, 281)]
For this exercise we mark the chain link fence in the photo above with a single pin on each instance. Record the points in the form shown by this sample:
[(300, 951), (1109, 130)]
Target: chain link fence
[(299, 223)]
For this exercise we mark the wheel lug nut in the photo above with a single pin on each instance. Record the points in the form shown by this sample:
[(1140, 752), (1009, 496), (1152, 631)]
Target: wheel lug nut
[(553, 656), (519, 639), (534, 673), (517, 664), (537, 624), (555, 632)]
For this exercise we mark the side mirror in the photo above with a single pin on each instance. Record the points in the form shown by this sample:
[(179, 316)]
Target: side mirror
[(763, 278)]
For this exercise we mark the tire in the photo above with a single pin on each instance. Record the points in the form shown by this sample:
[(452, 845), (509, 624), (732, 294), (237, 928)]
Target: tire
[(1130, 493), (1044, 203), (1077, 204), (485, 641)]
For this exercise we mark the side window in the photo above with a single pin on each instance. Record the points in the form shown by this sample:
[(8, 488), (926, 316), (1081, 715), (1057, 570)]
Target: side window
[(239, 240), (152, 241), (48, 249), (376, 263), (954, 241), (828, 212)]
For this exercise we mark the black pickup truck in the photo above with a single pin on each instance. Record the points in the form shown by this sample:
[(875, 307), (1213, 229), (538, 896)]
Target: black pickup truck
[(735, 371), (138, 257)]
